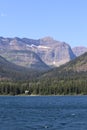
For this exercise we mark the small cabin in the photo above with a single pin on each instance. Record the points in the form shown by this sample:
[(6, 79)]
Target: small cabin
[(26, 92)]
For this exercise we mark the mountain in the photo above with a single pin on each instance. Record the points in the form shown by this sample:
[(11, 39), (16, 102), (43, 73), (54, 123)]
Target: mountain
[(39, 53), (20, 52), (10, 71), (79, 50), (71, 68), (26, 58), (54, 53), (77, 65)]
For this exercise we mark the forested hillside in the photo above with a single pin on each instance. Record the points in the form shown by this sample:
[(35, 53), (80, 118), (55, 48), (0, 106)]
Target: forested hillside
[(69, 79)]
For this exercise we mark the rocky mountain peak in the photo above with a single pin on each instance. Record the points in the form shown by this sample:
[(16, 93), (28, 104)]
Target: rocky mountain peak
[(79, 50), (47, 39)]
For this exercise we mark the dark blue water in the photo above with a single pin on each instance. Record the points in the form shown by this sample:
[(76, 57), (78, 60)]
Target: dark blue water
[(43, 113)]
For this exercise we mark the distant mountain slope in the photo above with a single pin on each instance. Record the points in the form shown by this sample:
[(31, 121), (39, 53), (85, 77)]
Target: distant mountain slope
[(71, 68), (27, 59), (79, 50), (79, 64), (11, 71), (33, 53)]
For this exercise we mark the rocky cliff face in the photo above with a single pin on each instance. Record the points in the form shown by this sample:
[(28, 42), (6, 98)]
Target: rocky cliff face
[(54, 53), (40, 53), (77, 65), (79, 50)]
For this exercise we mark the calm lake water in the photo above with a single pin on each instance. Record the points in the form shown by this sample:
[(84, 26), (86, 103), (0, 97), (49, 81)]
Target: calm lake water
[(43, 112)]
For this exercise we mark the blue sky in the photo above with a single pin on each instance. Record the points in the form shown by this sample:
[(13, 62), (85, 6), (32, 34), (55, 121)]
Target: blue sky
[(64, 20)]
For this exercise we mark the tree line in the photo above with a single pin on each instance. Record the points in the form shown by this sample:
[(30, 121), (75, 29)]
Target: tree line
[(46, 86)]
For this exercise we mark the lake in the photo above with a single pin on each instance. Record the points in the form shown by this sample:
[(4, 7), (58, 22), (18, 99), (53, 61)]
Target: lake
[(43, 112)]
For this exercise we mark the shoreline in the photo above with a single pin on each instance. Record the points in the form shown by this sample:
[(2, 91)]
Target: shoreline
[(32, 95)]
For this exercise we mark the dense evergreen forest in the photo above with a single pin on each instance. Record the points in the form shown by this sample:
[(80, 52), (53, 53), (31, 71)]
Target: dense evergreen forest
[(74, 84)]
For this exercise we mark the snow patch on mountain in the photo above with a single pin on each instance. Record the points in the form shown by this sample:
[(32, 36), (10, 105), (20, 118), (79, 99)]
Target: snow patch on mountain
[(38, 47)]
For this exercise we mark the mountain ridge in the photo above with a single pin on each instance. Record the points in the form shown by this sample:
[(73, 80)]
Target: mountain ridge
[(51, 52)]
